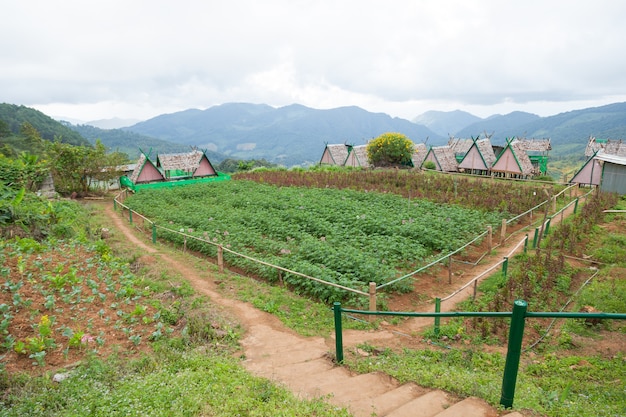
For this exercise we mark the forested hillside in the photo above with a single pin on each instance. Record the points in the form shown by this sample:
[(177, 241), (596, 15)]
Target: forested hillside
[(13, 117), (132, 143)]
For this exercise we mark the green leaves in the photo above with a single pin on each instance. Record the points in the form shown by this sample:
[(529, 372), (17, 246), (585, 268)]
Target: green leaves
[(335, 235)]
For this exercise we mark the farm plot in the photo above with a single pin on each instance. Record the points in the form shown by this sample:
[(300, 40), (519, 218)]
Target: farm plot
[(342, 236)]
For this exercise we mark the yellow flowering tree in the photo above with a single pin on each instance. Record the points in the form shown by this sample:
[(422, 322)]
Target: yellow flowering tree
[(390, 149)]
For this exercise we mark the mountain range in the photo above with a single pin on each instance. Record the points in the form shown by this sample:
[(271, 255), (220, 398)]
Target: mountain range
[(296, 135)]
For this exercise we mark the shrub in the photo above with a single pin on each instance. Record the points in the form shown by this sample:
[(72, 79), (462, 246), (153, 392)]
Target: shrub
[(390, 149)]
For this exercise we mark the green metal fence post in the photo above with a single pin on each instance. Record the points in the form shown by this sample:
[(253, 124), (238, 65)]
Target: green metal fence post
[(437, 318), (526, 243), (115, 204), (536, 237), (505, 266), (154, 233), (576, 206), (338, 332), (514, 350), (130, 216), (545, 232)]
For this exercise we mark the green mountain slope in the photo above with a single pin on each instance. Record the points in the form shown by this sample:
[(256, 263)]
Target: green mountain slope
[(14, 116)]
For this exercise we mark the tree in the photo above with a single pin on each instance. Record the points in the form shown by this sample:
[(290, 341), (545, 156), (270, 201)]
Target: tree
[(390, 149), (74, 168)]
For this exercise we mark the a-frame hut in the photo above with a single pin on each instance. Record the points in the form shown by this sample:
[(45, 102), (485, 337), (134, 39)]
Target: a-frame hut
[(145, 171), (419, 154), (357, 157), (602, 151), (335, 154), (513, 161), (590, 173), (479, 158), (194, 164), (442, 157)]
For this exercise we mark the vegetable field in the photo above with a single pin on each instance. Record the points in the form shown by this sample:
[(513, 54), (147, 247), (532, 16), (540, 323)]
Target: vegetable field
[(343, 236)]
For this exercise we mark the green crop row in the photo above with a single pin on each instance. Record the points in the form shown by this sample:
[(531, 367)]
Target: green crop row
[(343, 236)]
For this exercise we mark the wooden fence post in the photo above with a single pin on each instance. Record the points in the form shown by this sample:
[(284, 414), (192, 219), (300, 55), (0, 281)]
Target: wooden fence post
[(372, 300), (489, 238), (220, 258), (503, 231)]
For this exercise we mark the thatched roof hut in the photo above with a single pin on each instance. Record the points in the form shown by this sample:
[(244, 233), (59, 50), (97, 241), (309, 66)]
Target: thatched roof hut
[(514, 161), (419, 155), (479, 157), (442, 157), (145, 171), (357, 157), (192, 164), (335, 154)]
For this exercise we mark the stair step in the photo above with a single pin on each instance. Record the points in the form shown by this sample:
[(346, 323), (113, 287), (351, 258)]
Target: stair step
[(469, 407), (358, 389), (311, 386), (427, 405), (388, 401), (280, 371)]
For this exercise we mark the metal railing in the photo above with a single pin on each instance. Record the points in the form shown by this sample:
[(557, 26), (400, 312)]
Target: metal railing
[(516, 333)]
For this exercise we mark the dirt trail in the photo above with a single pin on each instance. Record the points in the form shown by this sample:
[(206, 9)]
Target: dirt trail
[(301, 363)]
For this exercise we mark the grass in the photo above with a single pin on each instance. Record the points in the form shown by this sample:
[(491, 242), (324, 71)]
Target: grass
[(169, 382)]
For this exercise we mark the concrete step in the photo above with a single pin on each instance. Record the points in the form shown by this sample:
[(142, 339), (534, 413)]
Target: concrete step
[(358, 389), (388, 401), (469, 407), (427, 405)]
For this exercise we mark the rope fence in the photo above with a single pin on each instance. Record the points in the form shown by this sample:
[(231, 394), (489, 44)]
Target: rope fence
[(138, 219)]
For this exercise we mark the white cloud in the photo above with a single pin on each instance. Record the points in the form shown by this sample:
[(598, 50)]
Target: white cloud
[(142, 58)]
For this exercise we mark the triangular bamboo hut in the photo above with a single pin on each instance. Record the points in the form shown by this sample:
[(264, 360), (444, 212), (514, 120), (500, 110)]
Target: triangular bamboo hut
[(442, 157), (479, 157), (145, 171), (513, 161), (335, 154), (357, 157)]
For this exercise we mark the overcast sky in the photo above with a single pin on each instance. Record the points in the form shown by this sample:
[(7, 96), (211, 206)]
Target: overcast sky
[(90, 60)]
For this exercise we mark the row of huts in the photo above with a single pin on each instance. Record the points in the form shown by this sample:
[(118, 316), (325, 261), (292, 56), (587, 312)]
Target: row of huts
[(519, 158)]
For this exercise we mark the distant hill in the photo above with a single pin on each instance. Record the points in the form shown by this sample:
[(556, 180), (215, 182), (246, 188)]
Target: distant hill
[(569, 132), (291, 135), (132, 143), (446, 123), (14, 116), (114, 123), (497, 124)]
